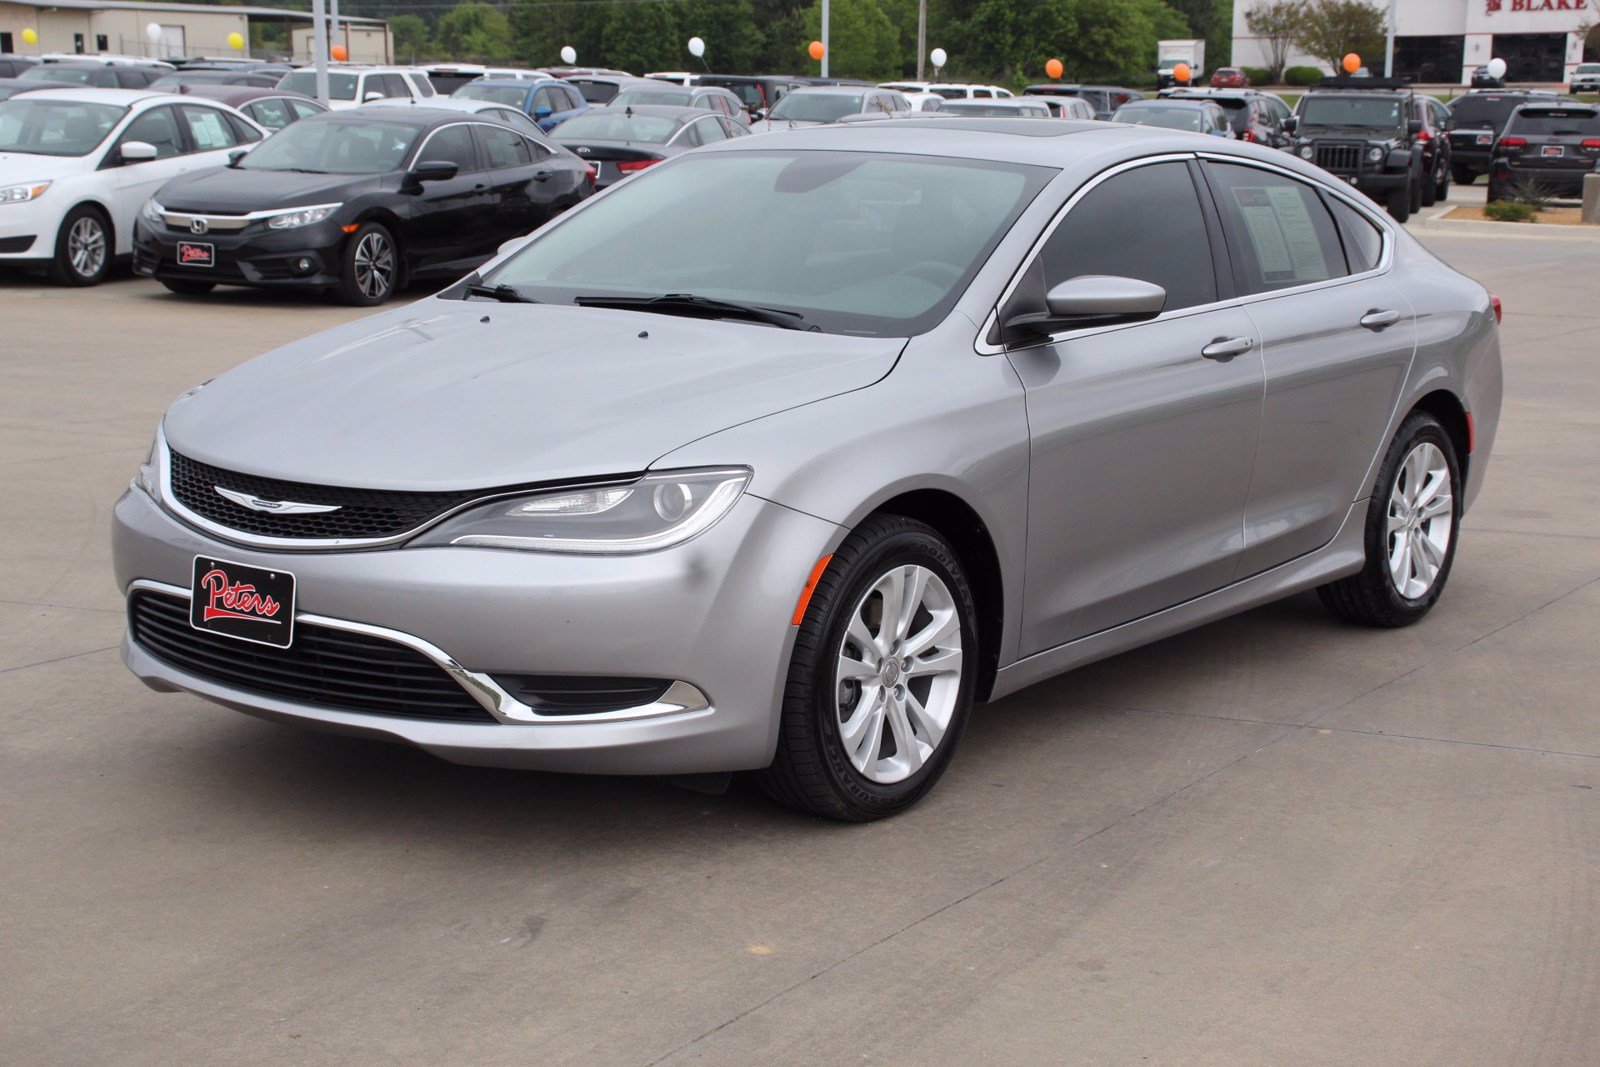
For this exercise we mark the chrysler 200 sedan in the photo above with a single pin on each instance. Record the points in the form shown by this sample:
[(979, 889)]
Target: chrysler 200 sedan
[(954, 408)]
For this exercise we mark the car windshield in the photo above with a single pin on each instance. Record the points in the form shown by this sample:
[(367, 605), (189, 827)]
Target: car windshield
[(874, 244), (1366, 112), (304, 82), (1550, 123), (1172, 118), (514, 95), (1588, 68), (652, 96), (334, 147), (603, 124), (55, 127), (51, 72), (816, 107)]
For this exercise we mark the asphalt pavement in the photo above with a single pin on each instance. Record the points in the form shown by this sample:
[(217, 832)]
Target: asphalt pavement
[(1276, 839)]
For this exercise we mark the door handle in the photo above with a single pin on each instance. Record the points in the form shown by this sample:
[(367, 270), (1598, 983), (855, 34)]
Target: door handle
[(1225, 348), (1377, 320), (479, 188), (541, 175)]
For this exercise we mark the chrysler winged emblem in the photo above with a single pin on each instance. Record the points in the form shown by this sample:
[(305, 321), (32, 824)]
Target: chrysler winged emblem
[(274, 507)]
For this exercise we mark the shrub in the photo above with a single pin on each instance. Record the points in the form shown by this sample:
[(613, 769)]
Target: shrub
[(1510, 211), (1258, 75), (1302, 75), (1530, 190)]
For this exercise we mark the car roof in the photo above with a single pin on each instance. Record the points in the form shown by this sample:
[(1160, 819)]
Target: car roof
[(422, 116), (529, 84), (234, 95), (837, 90), (660, 111), (116, 97), (1172, 101)]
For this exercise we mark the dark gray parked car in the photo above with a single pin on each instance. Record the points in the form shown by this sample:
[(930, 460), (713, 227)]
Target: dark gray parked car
[(783, 454)]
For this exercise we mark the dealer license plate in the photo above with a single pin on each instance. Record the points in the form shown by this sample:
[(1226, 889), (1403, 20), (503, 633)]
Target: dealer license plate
[(1486, 138), (243, 602), (1552, 151), (195, 254)]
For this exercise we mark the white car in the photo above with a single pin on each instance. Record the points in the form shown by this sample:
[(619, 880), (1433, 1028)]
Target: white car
[(76, 165), (959, 91), (924, 101), (351, 86)]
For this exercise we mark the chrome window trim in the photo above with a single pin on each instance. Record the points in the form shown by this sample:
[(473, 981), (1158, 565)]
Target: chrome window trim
[(423, 146), (680, 696), (982, 346)]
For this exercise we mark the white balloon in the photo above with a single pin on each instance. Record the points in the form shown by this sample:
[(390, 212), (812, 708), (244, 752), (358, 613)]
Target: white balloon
[(1497, 68), (697, 47), (153, 31), (569, 54), (938, 56)]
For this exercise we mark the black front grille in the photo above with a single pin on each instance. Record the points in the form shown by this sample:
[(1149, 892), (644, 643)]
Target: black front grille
[(363, 513), (324, 668), (1339, 158)]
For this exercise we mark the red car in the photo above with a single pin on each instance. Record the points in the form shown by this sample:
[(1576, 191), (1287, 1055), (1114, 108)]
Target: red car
[(1229, 78)]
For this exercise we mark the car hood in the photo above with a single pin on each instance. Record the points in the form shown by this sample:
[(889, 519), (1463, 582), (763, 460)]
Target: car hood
[(27, 167), (232, 191), (448, 394)]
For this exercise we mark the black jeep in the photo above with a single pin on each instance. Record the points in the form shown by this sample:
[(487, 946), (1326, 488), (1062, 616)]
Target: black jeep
[(1365, 132)]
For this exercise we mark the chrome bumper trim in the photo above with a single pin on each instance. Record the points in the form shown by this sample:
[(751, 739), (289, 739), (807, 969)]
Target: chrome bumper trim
[(679, 698)]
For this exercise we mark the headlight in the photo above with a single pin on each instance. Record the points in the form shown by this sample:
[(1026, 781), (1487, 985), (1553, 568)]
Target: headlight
[(657, 511), (301, 216), (17, 194), (152, 212), (1306, 151), (1374, 154)]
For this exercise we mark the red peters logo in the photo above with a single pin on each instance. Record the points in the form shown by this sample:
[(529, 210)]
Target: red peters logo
[(237, 600), (193, 254)]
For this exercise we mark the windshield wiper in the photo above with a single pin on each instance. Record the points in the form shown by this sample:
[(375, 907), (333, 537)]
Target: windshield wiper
[(506, 294), (678, 303)]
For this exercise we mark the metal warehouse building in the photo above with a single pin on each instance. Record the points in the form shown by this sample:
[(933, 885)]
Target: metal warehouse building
[(1443, 41), (90, 26)]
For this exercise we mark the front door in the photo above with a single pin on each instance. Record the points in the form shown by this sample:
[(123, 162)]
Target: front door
[(447, 216), (1142, 435), (133, 182)]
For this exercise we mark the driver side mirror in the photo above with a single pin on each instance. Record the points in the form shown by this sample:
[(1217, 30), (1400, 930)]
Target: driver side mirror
[(542, 112), (1291, 123), (433, 170), (758, 113), (236, 155), (1093, 300), (136, 152), (371, 95), (1414, 127)]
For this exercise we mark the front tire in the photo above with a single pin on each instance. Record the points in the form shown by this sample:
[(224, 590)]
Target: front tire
[(83, 247), (1411, 529), (881, 679), (370, 267)]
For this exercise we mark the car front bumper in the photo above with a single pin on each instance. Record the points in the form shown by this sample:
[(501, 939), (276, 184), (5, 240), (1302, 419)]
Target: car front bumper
[(712, 615), (28, 230), (305, 257)]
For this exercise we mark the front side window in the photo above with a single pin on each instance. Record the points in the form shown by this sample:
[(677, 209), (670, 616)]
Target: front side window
[(208, 128), (1283, 233), (55, 127), (1146, 224), (335, 148), (862, 243), (158, 127), (452, 144), (709, 130)]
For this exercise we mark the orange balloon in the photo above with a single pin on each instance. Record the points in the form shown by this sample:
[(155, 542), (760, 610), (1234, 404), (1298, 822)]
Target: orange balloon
[(1352, 63), (1054, 68), (817, 50), (1181, 72), (339, 52)]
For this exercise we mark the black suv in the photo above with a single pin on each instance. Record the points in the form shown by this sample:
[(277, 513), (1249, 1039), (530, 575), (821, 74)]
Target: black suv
[(1551, 144), (1365, 131), (1476, 119)]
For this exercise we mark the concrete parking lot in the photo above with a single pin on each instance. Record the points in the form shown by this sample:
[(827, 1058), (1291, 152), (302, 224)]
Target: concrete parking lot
[(1276, 839)]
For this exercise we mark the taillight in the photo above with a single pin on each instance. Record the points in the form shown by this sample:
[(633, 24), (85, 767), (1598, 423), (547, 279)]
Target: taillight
[(1592, 143), (1494, 302), (632, 165), (1513, 142), (590, 173), (1248, 135), (1424, 135)]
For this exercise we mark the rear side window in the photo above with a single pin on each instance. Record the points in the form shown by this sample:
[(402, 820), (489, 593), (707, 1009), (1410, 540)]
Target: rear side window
[(1283, 234), (274, 114), (1144, 224), (503, 148), (1363, 242), (422, 85)]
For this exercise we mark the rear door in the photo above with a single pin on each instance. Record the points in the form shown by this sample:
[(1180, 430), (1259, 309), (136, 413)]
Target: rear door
[(523, 188), (1143, 436), (1337, 338)]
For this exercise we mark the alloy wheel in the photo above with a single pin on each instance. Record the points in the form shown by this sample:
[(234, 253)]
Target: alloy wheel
[(1421, 520), (86, 246), (374, 265), (899, 674)]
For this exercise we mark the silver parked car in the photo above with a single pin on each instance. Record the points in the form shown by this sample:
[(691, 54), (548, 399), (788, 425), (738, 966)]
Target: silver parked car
[(953, 408)]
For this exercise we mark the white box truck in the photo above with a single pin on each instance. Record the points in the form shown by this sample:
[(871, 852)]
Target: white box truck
[(1170, 53)]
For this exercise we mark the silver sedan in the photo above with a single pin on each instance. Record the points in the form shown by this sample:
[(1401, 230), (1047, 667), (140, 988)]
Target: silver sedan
[(782, 456)]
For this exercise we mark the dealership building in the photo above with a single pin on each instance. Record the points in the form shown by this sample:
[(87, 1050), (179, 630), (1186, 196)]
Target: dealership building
[(1444, 41), (86, 27)]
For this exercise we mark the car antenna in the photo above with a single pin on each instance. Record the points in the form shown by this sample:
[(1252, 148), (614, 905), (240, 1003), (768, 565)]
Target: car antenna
[(628, 111)]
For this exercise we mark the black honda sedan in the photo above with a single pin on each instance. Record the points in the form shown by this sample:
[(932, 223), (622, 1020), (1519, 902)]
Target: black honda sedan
[(357, 204)]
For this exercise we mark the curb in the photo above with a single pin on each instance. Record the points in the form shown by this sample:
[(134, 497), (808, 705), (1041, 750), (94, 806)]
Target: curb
[(1436, 224)]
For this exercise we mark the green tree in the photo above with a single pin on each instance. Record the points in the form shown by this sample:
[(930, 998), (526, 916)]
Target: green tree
[(641, 37), (862, 41), (410, 36), (1331, 29), (1011, 39), (474, 29), (1276, 23), (734, 41)]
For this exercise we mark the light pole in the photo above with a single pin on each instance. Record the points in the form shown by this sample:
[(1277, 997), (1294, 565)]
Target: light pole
[(824, 38), (1388, 47), (922, 35), (319, 48)]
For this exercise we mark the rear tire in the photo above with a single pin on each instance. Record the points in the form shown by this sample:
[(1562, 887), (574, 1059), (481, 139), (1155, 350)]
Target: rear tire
[(369, 268), (1463, 175), (877, 695), (1429, 191), (1418, 180), (1441, 191), (186, 287), (83, 247), (1412, 527)]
